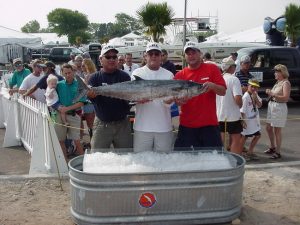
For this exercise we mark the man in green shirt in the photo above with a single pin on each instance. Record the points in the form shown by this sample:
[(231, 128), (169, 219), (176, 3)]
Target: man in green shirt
[(67, 90), (18, 76)]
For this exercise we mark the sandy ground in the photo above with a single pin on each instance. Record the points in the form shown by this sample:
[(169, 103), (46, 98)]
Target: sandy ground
[(270, 196)]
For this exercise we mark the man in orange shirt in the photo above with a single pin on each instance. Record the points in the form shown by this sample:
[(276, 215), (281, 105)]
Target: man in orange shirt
[(198, 120)]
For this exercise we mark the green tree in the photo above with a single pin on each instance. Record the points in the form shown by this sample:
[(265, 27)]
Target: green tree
[(45, 30), (68, 22), (127, 22), (155, 17), (292, 16), (32, 26)]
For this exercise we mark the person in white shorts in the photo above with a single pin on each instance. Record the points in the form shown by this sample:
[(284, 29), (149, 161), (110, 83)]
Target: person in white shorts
[(250, 115), (277, 109), (153, 126)]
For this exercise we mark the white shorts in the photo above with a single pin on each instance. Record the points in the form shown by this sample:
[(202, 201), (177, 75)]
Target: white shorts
[(153, 141), (277, 114)]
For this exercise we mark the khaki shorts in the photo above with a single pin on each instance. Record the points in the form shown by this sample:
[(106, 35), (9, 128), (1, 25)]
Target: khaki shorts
[(72, 131), (117, 133)]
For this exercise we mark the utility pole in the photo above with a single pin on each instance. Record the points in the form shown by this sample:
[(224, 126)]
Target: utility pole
[(184, 33)]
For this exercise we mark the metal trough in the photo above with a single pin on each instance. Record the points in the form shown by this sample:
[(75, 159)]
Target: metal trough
[(190, 197)]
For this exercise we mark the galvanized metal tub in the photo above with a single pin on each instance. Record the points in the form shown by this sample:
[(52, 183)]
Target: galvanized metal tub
[(190, 197)]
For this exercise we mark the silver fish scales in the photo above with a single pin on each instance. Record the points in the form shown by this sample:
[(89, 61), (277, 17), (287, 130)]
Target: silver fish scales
[(143, 90)]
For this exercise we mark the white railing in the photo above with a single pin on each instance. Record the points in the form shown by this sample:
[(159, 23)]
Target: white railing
[(27, 122)]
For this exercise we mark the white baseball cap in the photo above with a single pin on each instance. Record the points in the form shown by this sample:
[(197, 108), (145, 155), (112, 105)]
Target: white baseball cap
[(107, 48), (191, 45), (245, 59), (153, 46)]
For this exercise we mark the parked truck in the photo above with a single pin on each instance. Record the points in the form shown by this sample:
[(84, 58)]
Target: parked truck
[(263, 60)]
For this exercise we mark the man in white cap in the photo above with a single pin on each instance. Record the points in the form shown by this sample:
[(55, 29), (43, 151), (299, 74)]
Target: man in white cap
[(228, 107), (111, 125), (198, 126), (153, 126), (18, 76)]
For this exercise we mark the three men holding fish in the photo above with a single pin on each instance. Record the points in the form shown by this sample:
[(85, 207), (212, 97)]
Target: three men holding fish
[(153, 128)]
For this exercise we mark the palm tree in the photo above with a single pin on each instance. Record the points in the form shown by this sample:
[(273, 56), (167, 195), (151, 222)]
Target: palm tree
[(292, 16), (155, 17)]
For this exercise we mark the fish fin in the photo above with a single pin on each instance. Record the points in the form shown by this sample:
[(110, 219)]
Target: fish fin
[(82, 89), (137, 78)]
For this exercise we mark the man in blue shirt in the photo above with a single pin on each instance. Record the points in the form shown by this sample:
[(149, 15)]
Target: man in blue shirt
[(243, 75), (67, 90), (166, 63), (111, 126)]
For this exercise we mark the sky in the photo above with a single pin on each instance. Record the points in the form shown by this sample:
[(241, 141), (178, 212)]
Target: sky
[(233, 15)]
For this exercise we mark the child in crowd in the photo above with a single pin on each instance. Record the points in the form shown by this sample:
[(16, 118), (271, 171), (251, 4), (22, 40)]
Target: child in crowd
[(52, 97), (250, 115)]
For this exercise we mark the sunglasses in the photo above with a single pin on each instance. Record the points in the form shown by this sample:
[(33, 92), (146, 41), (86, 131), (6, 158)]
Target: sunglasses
[(114, 57), (277, 70), (153, 53), (19, 64)]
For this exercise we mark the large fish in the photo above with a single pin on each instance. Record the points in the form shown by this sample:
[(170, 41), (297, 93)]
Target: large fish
[(143, 90)]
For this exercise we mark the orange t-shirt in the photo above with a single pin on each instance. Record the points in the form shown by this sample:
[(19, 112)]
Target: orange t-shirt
[(200, 111)]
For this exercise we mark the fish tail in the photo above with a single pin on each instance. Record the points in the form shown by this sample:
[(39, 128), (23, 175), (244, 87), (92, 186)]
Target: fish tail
[(82, 89)]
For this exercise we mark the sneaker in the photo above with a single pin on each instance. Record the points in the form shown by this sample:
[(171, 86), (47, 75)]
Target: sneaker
[(71, 149)]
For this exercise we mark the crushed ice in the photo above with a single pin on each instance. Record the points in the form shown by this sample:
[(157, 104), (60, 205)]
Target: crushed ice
[(155, 162)]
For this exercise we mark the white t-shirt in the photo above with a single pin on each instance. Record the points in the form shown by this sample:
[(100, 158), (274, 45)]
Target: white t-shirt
[(50, 100), (30, 81), (129, 70), (252, 116), (227, 109), (154, 116)]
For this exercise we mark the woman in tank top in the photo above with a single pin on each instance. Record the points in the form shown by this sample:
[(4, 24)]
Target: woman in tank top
[(277, 110)]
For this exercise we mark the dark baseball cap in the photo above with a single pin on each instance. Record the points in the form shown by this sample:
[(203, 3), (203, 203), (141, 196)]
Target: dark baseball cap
[(50, 64)]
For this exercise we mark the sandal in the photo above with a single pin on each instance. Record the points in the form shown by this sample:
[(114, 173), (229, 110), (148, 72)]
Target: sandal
[(270, 151), (276, 155)]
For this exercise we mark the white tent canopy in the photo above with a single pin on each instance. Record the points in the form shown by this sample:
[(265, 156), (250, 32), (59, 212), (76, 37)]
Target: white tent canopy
[(13, 37), (51, 38), (256, 35)]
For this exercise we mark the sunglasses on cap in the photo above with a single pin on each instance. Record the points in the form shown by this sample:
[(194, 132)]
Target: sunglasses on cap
[(114, 57), (154, 53)]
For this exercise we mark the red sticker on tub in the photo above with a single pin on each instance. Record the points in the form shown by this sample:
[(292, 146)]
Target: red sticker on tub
[(147, 200)]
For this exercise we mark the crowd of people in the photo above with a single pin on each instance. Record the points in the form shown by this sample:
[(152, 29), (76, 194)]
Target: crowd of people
[(230, 103)]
